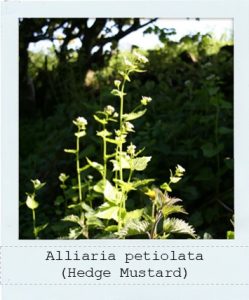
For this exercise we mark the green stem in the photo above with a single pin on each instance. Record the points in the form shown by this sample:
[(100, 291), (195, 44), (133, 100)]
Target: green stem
[(34, 223), (78, 167), (119, 152), (104, 155)]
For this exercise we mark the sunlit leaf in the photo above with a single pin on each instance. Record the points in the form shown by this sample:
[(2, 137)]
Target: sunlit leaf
[(134, 115), (96, 166), (173, 225), (140, 163)]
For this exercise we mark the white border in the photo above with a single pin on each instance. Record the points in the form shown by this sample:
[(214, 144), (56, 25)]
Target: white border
[(11, 11)]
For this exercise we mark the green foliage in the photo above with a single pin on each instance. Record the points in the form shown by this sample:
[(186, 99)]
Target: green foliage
[(113, 187), (189, 121)]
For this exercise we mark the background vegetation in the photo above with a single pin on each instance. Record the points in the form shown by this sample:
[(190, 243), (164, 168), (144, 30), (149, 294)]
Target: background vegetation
[(190, 121)]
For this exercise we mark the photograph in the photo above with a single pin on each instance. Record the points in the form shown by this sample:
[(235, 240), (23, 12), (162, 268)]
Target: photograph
[(126, 128)]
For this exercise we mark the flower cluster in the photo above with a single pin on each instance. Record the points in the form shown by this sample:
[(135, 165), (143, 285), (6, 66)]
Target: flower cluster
[(81, 123)]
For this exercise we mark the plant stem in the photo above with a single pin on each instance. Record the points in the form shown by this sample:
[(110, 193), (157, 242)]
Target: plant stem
[(121, 112), (120, 150), (104, 155), (78, 167), (34, 223)]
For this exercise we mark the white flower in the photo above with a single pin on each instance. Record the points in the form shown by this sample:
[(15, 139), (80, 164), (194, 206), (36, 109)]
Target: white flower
[(117, 83), (131, 149), (140, 57), (109, 109), (115, 115), (128, 62), (63, 177), (129, 126), (37, 184), (145, 100), (81, 122)]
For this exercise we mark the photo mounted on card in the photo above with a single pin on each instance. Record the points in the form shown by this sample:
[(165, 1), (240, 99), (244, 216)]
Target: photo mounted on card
[(126, 128), (124, 150)]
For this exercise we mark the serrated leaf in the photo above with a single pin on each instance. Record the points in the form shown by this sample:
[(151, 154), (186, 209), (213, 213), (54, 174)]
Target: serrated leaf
[(125, 163), (134, 115), (133, 227), (168, 210), (142, 182), (109, 212), (71, 218), (139, 163), (134, 214), (173, 225), (92, 220)]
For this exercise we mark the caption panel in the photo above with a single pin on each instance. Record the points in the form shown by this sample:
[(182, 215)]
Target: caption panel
[(110, 265)]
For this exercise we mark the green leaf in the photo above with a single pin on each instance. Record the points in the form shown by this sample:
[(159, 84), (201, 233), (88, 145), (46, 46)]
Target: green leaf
[(37, 184), (72, 218), (38, 229), (111, 228), (174, 179), (87, 208), (210, 150), (165, 186), (108, 212), (72, 151), (92, 220), (101, 121), (96, 166), (104, 133), (31, 203), (74, 233), (125, 163), (140, 163), (134, 115), (134, 214), (118, 93), (112, 141), (110, 193), (134, 227), (173, 225), (230, 235), (142, 182), (126, 186), (173, 209), (80, 134)]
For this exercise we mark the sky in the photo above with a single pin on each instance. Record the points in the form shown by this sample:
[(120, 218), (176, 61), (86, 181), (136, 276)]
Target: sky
[(217, 27)]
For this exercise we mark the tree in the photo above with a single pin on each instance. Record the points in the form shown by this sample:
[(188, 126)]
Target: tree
[(93, 34)]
